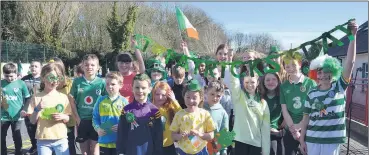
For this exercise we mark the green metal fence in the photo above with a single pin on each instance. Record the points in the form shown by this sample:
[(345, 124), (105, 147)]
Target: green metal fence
[(26, 52)]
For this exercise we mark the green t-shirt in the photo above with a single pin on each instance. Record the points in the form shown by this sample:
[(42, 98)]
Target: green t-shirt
[(86, 94), (15, 94), (294, 95), (275, 110)]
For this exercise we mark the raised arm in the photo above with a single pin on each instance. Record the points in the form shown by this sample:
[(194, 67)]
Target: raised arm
[(141, 64), (351, 53)]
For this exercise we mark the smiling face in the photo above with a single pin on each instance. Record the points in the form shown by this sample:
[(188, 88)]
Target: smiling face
[(324, 78), (192, 99), (202, 68), (270, 81), (156, 75), (160, 97), (124, 67), (250, 83), (90, 67), (52, 80), (222, 55), (292, 67), (141, 89)]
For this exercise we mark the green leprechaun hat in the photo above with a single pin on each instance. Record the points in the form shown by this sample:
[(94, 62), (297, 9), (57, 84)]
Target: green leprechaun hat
[(155, 65)]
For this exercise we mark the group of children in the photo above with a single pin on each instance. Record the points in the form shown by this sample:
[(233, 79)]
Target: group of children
[(139, 111)]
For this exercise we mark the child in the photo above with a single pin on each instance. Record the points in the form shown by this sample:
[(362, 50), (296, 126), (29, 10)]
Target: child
[(192, 127), (163, 98), (293, 93), (78, 71), (124, 62), (252, 122), (324, 113), (64, 87), (214, 92), (85, 91), (107, 111), (140, 131), (179, 74), (32, 81), (269, 90), (282, 72), (51, 111), (15, 92)]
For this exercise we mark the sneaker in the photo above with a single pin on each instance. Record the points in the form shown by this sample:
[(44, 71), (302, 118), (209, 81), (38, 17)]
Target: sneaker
[(32, 150)]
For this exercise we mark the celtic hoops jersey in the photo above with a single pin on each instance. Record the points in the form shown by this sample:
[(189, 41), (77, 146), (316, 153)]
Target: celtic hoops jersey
[(294, 95), (326, 110), (85, 94)]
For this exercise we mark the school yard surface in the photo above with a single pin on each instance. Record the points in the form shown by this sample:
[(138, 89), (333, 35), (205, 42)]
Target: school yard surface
[(358, 144)]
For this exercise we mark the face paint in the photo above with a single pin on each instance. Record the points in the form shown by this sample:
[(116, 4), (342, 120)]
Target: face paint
[(53, 78)]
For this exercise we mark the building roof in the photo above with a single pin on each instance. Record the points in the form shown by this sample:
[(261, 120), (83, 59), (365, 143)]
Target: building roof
[(361, 43)]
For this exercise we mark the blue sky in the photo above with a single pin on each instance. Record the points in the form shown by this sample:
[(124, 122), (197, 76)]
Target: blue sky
[(289, 22)]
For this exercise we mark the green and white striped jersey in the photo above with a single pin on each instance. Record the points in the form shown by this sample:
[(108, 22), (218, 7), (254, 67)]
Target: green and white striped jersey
[(326, 110)]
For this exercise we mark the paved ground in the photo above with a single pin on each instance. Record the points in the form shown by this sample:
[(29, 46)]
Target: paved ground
[(358, 145)]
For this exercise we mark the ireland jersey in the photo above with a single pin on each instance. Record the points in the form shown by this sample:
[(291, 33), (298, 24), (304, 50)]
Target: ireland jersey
[(326, 110), (294, 95), (85, 94), (14, 93)]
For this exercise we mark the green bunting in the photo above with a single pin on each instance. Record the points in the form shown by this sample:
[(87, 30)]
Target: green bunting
[(182, 59)]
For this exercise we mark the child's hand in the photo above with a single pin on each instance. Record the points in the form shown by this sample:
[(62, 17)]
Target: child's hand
[(172, 96), (23, 114), (101, 132), (353, 27), (60, 117), (114, 128), (196, 133), (303, 148), (41, 105), (184, 45), (78, 120), (133, 43), (185, 134)]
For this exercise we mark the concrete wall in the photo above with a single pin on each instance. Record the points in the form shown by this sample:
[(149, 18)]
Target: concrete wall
[(25, 70)]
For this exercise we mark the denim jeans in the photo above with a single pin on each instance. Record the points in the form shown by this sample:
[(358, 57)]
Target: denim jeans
[(60, 147)]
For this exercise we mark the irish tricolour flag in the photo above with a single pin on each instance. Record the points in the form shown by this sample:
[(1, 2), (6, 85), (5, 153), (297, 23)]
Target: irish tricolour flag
[(185, 25)]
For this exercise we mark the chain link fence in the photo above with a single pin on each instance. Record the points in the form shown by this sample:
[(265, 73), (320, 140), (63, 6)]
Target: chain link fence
[(26, 52)]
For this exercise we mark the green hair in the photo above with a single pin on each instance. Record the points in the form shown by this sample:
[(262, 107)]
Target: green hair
[(333, 66), (291, 55)]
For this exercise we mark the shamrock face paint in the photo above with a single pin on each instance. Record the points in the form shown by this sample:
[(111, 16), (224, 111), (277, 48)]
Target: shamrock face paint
[(54, 78)]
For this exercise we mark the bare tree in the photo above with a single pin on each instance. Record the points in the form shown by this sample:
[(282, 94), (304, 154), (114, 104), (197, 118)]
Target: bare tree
[(49, 21)]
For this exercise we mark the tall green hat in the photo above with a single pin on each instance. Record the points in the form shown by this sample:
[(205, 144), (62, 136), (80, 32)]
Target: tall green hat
[(155, 65)]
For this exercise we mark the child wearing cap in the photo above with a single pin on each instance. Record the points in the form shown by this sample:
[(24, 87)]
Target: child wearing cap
[(124, 62)]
